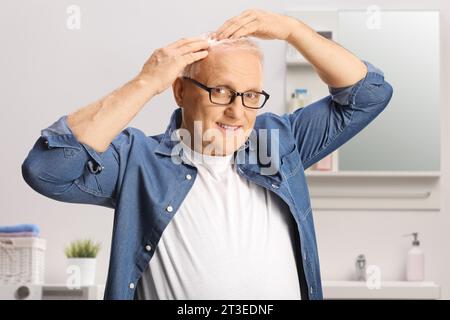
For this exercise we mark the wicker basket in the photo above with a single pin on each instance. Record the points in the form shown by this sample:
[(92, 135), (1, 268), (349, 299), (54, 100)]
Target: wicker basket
[(22, 260)]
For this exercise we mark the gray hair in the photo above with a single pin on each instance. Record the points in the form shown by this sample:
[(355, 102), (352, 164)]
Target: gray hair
[(240, 43)]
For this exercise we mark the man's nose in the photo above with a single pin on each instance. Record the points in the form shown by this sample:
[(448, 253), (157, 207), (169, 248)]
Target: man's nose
[(236, 109)]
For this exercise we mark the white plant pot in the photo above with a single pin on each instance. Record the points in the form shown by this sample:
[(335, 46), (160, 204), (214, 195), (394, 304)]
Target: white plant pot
[(82, 270)]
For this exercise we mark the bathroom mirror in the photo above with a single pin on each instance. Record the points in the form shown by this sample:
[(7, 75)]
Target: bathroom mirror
[(405, 46)]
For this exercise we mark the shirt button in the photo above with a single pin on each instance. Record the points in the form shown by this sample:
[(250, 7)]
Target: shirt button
[(131, 285), (188, 176), (169, 209), (148, 247), (274, 186), (311, 290)]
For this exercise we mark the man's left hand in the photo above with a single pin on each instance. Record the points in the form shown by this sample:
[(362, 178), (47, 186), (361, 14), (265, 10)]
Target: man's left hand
[(257, 23)]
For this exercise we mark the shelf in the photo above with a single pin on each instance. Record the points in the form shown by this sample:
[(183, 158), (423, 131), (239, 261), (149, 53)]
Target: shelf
[(387, 290), (50, 292), (376, 174), (374, 190), (298, 63)]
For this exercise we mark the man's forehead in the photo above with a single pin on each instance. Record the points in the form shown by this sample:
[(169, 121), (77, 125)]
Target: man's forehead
[(235, 82), (229, 74)]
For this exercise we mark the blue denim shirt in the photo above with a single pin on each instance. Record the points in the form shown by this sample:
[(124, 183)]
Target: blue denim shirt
[(137, 177)]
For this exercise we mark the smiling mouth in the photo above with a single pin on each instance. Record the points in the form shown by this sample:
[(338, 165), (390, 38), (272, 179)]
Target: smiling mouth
[(227, 127)]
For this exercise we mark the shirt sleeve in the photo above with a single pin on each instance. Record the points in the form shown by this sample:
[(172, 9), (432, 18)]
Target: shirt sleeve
[(60, 167), (325, 125)]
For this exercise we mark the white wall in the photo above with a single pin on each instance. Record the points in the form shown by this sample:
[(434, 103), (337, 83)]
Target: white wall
[(47, 70)]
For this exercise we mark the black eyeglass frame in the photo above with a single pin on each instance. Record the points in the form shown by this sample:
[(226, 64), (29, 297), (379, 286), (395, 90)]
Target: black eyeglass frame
[(235, 94)]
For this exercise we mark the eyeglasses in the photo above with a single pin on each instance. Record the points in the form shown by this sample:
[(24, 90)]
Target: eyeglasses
[(225, 96)]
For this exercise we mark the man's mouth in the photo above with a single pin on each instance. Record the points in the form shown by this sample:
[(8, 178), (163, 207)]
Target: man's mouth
[(225, 127)]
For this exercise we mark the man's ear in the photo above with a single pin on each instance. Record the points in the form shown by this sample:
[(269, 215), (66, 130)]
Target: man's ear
[(178, 91)]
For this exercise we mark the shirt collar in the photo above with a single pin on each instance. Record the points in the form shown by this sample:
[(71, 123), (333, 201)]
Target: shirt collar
[(246, 157)]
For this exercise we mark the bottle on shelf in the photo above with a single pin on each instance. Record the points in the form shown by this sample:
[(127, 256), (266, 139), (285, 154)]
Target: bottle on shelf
[(299, 99), (415, 262)]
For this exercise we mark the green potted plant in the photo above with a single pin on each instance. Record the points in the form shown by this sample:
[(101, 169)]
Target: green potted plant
[(82, 259)]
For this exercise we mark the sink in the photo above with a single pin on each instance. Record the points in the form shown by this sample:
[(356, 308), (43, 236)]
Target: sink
[(387, 290)]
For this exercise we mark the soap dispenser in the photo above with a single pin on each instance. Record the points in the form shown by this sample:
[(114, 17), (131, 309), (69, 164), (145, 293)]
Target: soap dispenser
[(360, 266), (415, 262)]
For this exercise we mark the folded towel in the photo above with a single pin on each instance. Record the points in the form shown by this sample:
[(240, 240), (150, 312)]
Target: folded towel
[(18, 234), (20, 228)]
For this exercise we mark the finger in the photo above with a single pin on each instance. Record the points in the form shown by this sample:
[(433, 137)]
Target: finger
[(223, 27), (183, 41), (246, 30), (193, 47), (194, 56), (236, 26), (230, 22), (226, 25), (196, 40)]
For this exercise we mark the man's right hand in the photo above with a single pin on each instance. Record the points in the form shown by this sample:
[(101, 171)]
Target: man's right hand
[(166, 64), (100, 122)]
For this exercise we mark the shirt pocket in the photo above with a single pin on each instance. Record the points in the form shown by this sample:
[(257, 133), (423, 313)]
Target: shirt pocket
[(291, 164)]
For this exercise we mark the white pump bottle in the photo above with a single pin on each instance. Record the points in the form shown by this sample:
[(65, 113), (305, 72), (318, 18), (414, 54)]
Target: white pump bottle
[(415, 262)]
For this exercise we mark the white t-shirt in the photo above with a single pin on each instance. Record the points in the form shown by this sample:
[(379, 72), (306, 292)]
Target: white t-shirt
[(230, 239)]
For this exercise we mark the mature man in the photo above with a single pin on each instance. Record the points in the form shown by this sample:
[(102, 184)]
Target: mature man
[(200, 212)]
